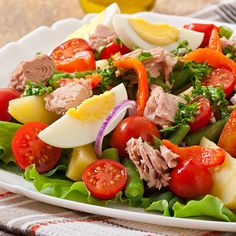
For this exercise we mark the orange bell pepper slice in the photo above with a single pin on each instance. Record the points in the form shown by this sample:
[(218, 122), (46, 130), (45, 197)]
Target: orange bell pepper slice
[(214, 41), (212, 58), (138, 67), (208, 157), (227, 138)]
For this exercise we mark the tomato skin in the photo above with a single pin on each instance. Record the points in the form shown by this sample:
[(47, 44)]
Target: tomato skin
[(112, 49), (29, 149), (221, 77), (190, 179), (228, 136), (203, 28), (203, 117), (81, 61), (132, 127), (105, 178), (6, 94)]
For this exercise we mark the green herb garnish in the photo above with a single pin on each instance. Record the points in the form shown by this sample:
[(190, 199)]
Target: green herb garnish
[(182, 48), (32, 88), (144, 56)]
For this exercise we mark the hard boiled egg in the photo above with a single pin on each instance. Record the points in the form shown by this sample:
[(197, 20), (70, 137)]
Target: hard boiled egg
[(79, 126), (105, 18), (138, 32)]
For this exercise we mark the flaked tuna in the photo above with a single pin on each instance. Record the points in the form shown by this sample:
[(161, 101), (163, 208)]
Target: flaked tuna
[(37, 70), (153, 165), (68, 96)]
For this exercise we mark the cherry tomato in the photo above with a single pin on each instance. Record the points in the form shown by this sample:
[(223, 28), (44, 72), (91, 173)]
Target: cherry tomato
[(204, 115), (6, 94), (112, 49), (132, 127), (29, 149), (222, 78), (203, 28), (105, 178), (74, 55), (190, 179), (81, 61)]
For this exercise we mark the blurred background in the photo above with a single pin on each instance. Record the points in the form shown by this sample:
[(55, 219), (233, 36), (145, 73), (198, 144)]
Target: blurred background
[(19, 17)]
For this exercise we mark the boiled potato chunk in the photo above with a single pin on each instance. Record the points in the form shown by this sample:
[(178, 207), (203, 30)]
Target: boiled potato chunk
[(80, 158), (224, 177), (31, 108)]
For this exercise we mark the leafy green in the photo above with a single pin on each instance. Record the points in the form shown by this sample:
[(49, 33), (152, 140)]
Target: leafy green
[(32, 88), (215, 95), (63, 188), (157, 80), (144, 56), (157, 141), (7, 131), (185, 113), (56, 77), (230, 52), (208, 206), (225, 31), (182, 48)]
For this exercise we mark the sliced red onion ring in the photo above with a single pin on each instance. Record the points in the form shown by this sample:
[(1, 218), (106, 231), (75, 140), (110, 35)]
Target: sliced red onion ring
[(117, 111)]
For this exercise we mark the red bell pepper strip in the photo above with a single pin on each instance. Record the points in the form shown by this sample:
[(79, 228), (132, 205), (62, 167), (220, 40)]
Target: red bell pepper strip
[(214, 41), (138, 67), (208, 157), (212, 58), (228, 136)]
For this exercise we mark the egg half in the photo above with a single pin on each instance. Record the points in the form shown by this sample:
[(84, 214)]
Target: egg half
[(105, 18), (138, 32), (79, 126)]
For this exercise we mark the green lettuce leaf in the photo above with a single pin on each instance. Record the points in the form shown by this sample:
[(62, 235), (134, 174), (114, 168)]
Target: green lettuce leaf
[(63, 188), (7, 131), (208, 206)]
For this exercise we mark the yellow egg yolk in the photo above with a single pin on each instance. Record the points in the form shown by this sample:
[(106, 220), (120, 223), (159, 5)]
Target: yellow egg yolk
[(95, 108), (156, 34)]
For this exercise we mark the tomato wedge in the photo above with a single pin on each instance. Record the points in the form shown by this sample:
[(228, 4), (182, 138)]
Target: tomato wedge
[(220, 77), (208, 157), (29, 149), (112, 49), (74, 55), (105, 178), (203, 117)]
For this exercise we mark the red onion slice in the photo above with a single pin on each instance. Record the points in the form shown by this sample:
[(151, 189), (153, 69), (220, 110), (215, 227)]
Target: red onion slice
[(114, 114)]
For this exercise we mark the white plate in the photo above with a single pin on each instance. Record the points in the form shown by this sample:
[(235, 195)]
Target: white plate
[(44, 39)]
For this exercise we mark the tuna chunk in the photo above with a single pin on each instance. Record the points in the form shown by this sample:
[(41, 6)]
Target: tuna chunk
[(103, 35), (70, 95), (37, 70), (162, 107), (161, 61), (153, 165)]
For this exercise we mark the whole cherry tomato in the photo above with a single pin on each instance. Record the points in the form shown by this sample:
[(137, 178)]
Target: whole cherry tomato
[(190, 179), (132, 127)]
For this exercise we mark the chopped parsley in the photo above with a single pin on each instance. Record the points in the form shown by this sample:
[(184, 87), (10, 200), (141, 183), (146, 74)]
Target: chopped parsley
[(32, 88), (181, 49), (230, 52), (144, 56)]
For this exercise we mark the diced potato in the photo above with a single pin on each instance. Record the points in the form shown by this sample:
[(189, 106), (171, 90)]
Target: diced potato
[(31, 108), (224, 177), (80, 158)]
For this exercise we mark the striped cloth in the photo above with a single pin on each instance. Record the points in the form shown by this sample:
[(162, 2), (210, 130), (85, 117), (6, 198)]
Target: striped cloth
[(23, 216)]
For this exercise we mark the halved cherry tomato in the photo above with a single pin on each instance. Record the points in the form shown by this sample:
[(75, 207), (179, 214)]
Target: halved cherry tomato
[(29, 149), (204, 115), (74, 55), (190, 179), (132, 127), (105, 178), (203, 28), (6, 94), (221, 77), (81, 61), (112, 49), (208, 157)]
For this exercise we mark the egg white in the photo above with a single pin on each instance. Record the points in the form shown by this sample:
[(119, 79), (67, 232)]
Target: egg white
[(131, 38), (69, 132)]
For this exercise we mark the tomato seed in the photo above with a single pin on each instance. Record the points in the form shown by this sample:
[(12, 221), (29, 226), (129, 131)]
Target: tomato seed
[(27, 137), (112, 182)]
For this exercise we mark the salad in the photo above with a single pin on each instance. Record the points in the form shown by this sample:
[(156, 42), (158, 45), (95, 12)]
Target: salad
[(128, 111)]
